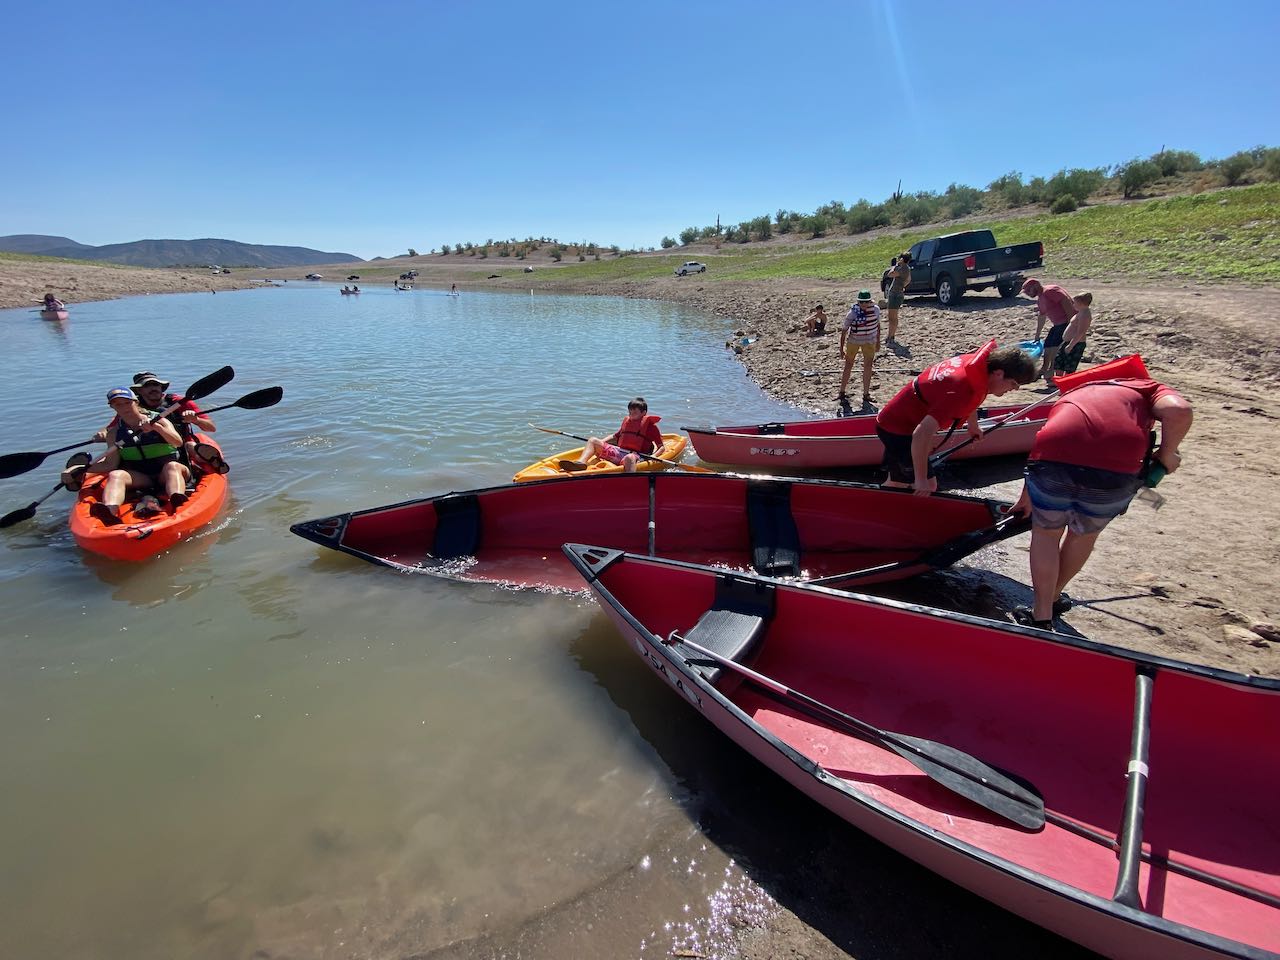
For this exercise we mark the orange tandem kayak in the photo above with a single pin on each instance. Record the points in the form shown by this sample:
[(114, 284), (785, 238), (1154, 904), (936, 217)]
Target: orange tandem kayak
[(138, 538)]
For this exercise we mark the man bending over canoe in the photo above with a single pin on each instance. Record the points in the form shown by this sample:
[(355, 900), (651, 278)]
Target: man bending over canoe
[(144, 456), (639, 433), (940, 398), (1092, 455)]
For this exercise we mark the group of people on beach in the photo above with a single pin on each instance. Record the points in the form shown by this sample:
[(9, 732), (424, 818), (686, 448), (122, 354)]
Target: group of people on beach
[(152, 447)]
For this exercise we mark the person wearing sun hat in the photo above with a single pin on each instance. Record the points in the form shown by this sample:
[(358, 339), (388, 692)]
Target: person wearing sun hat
[(151, 392), (860, 337), (143, 456)]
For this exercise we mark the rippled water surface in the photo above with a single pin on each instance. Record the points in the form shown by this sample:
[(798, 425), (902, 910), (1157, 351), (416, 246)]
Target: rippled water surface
[(250, 744)]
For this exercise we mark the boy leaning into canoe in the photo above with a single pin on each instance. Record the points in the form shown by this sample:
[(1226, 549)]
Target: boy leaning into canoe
[(639, 433), (947, 393)]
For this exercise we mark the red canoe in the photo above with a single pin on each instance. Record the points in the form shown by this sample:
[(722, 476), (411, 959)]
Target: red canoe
[(783, 527), (848, 441), (139, 538), (1011, 761)]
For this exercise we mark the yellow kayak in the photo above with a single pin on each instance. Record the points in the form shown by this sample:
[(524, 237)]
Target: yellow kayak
[(673, 445)]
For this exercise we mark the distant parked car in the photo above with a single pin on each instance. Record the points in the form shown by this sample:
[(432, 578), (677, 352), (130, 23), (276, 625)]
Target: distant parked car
[(354, 276), (225, 270), (315, 276), (690, 266), (528, 269)]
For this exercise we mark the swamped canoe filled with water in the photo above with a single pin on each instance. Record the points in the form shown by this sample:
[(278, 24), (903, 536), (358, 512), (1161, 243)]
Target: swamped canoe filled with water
[(1122, 800), (782, 527)]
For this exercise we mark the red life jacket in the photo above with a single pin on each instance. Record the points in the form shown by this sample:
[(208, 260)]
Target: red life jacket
[(641, 441)]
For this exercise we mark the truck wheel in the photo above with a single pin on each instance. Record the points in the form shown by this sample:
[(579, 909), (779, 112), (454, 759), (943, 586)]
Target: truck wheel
[(1008, 290), (949, 292)]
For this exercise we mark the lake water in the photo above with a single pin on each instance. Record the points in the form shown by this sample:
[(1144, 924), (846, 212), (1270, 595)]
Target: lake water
[(251, 747)]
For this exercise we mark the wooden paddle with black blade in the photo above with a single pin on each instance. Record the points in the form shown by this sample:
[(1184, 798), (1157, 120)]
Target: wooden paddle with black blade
[(959, 772), (938, 458), (13, 464), (642, 456), (29, 511)]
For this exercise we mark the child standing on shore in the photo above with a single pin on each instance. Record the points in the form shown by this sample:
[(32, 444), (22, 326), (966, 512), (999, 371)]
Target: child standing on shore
[(1068, 358)]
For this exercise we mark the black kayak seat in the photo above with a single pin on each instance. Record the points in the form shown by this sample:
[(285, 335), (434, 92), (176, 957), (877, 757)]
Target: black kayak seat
[(766, 429), (457, 527), (734, 627), (775, 541)]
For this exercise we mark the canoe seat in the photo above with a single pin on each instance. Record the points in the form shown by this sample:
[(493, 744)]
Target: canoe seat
[(733, 627), (457, 527), (775, 542), (766, 429)]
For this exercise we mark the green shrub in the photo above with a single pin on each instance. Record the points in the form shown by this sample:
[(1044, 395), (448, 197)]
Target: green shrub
[(1235, 167), (688, 235), (864, 216), (413, 252), (961, 200), (668, 243), (815, 225), (557, 256), (1137, 174), (445, 249), (1172, 162), (1271, 166), (762, 227), (1009, 189), (744, 231), (1064, 204), (1077, 183)]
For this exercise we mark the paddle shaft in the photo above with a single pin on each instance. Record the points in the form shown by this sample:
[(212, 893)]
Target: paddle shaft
[(266, 397), (938, 458), (911, 749), (27, 512), (642, 456), (1126, 891)]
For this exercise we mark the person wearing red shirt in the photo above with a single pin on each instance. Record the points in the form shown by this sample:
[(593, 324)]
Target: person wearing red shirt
[(1084, 468), (946, 393), (1055, 305), (639, 433)]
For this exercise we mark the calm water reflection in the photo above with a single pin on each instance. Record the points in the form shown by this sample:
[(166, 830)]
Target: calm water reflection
[(245, 744)]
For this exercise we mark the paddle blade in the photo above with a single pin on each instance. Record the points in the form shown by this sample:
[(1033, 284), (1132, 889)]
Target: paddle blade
[(18, 516), (206, 385), (968, 776), (15, 463), (260, 399)]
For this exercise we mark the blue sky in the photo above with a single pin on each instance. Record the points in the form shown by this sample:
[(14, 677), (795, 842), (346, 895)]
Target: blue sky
[(373, 127)]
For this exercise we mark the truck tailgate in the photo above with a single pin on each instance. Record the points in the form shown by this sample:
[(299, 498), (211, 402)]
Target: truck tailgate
[(1009, 259)]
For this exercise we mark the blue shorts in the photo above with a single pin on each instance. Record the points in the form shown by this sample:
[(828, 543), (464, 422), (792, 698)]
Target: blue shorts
[(1083, 499), (1054, 339)]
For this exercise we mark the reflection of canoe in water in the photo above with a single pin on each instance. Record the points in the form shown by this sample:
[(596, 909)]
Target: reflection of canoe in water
[(348, 292), (831, 691), (847, 441), (787, 528), (53, 314), (673, 445), (138, 538)]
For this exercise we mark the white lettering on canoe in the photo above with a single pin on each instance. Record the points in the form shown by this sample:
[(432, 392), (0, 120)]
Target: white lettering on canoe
[(774, 451)]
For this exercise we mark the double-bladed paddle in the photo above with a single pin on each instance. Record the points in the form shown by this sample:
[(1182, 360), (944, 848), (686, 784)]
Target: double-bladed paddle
[(642, 456), (959, 772), (266, 397), (13, 464), (939, 458), (29, 511)]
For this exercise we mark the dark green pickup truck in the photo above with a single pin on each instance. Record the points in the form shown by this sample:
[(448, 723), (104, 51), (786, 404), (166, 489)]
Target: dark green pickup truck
[(948, 266)]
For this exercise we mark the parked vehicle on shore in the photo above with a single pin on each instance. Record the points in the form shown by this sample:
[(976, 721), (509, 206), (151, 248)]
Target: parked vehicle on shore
[(950, 265), (690, 266)]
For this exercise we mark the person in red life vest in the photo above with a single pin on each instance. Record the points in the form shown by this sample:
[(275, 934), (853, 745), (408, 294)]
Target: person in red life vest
[(1055, 305), (151, 392), (639, 433), (143, 456), (1088, 460), (940, 398)]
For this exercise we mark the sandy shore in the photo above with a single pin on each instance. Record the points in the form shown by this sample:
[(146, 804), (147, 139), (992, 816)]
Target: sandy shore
[(1192, 581)]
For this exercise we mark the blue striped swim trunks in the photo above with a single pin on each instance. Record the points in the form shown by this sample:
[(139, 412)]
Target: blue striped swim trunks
[(1083, 499)]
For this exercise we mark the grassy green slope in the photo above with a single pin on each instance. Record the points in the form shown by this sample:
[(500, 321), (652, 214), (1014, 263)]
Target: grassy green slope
[(1224, 235)]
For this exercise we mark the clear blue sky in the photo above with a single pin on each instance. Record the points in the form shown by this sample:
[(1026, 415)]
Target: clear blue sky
[(372, 127)]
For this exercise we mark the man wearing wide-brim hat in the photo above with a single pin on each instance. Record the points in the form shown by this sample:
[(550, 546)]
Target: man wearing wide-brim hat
[(151, 388)]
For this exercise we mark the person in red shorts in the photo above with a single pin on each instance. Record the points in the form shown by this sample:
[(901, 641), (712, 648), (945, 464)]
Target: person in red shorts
[(639, 433), (946, 393), (1085, 466)]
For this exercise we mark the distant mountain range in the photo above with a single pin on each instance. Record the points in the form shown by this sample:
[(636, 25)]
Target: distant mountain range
[(174, 253)]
